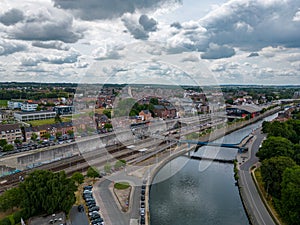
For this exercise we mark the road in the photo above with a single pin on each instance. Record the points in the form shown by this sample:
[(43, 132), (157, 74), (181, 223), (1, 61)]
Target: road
[(109, 208), (255, 203)]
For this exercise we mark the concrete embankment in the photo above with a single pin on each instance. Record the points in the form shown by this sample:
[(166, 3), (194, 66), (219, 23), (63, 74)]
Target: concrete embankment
[(183, 149)]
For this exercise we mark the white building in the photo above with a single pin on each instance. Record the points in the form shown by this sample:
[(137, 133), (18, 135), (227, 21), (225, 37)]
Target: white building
[(14, 105), (36, 115), (28, 107)]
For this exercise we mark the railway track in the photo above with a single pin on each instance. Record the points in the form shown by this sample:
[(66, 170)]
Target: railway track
[(96, 158), (75, 163)]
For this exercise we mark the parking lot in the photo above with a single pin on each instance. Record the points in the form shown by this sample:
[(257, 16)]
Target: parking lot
[(78, 218)]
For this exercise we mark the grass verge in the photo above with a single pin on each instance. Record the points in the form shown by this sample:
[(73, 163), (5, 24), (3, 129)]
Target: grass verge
[(121, 185)]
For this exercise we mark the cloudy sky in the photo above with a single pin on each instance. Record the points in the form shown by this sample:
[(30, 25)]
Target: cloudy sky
[(154, 41)]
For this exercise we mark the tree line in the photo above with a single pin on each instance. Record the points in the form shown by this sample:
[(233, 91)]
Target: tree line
[(42, 192), (280, 167)]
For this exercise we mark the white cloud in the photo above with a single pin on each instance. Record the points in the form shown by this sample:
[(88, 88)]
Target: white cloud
[(108, 52), (11, 17), (108, 9), (216, 51), (296, 18), (254, 24), (59, 45), (46, 24), (10, 46)]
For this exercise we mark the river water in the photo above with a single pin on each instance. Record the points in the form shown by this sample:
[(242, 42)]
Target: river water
[(191, 192)]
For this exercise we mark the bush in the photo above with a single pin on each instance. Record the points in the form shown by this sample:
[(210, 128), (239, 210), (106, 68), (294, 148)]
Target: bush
[(5, 221), (92, 172), (17, 217), (119, 164), (121, 185)]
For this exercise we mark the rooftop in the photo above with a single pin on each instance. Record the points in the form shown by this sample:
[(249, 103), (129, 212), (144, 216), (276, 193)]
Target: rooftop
[(34, 112)]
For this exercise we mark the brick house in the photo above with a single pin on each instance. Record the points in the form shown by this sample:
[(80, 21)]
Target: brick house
[(145, 115)]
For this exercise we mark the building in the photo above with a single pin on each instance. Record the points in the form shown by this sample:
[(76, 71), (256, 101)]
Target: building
[(36, 115), (160, 111), (28, 107), (243, 110), (165, 111), (10, 132), (52, 129), (3, 115), (14, 105), (145, 115), (63, 109)]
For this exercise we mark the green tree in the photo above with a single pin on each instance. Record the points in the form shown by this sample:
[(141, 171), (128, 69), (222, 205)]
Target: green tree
[(108, 126), (107, 113), (297, 153), (70, 133), (3, 142), (47, 192), (78, 178), (5, 221), (290, 195), (58, 134), (57, 118), (18, 141), (92, 172), (46, 135), (154, 101), (34, 136), (8, 147), (119, 164), (272, 170), (275, 146), (107, 167), (10, 199)]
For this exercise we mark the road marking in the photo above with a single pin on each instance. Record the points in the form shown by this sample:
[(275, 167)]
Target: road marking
[(253, 202)]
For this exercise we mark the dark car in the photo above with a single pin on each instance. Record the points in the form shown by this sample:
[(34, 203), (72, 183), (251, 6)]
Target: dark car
[(95, 216), (143, 187), (80, 208), (142, 220), (94, 208), (142, 197), (142, 204), (90, 204), (98, 220), (89, 187), (143, 191)]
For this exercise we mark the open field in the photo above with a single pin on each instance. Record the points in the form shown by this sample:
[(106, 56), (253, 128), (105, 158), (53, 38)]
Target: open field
[(3, 103), (35, 123)]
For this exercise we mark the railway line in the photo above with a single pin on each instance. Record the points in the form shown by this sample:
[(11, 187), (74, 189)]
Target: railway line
[(79, 162), (98, 158)]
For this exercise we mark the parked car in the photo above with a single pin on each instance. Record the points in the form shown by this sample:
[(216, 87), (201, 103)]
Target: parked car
[(80, 208), (142, 220), (94, 208), (142, 211)]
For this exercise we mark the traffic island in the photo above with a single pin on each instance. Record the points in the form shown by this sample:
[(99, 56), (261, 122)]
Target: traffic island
[(122, 192)]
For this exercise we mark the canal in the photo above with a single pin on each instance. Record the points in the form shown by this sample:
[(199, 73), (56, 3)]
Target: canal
[(191, 192)]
